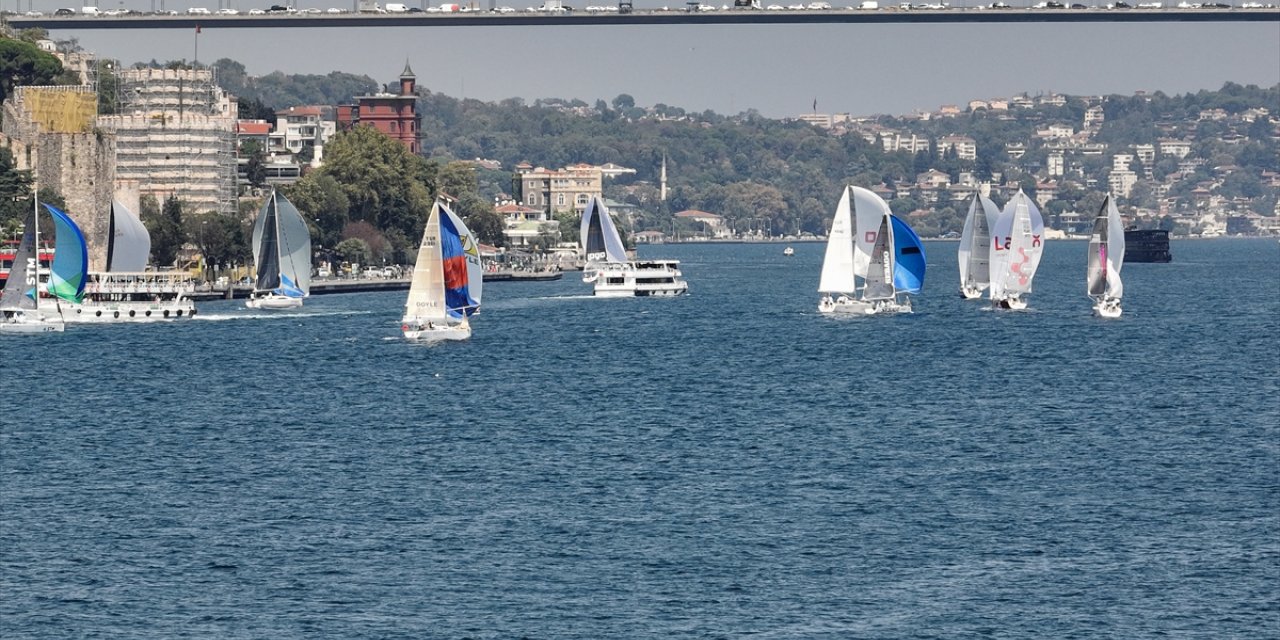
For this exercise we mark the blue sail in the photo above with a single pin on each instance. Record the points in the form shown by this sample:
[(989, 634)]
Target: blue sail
[(70, 269), (908, 277), (453, 251)]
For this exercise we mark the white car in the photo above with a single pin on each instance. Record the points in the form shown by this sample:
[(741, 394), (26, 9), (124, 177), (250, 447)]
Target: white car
[(198, 11), (228, 12), (819, 6), (775, 7), (335, 10), (257, 12)]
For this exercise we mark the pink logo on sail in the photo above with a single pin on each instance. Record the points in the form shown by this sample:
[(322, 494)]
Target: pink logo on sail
[(1023, 278), (870, 237)]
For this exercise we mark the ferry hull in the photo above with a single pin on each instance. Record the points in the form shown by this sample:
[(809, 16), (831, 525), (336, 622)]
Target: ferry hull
[(113, 312)]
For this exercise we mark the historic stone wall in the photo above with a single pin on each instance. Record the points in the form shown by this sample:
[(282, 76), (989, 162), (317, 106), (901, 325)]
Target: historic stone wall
[(81, 167)]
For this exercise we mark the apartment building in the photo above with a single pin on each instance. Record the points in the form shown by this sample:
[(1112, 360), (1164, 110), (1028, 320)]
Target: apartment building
[(568, 189)]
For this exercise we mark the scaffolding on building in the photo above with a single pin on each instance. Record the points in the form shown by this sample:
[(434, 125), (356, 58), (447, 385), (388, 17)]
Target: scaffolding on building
[(175, 136)]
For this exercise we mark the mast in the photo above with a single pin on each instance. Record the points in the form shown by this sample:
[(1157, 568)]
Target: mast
[(35, 220)]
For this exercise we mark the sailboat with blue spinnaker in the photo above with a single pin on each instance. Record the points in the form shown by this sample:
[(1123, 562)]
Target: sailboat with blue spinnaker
[(21, 309)]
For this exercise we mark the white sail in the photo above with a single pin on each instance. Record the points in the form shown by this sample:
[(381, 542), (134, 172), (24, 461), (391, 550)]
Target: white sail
[(1106, 253), (426, 289), (282, 249), (129, 243), (295, 245), (599, 237), (869, 212), (1017, 245), (975, 243), (837, 266), (880, 269), (1115, 249)]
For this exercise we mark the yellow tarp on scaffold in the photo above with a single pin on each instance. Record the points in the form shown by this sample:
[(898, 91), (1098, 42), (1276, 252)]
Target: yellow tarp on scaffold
[(61, 111)]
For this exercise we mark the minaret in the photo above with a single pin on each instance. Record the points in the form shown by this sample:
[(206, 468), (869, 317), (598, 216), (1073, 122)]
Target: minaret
[(662, 180)]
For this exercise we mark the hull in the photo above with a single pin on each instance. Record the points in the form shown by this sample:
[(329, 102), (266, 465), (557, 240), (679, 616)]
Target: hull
[(1147, 245), (22, 323), (1013, 303), (845, 305), (110, 312), (1107, 308), (435, 333), (970, 293), (273, 303), (660, 278)]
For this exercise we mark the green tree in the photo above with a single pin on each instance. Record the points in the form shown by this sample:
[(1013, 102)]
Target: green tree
[(324, 203), (488, 226), (353, 250), (23, 63), (385, 185), (15, 192), (167, 231), (256, 167), (220, 238), (457, 178)]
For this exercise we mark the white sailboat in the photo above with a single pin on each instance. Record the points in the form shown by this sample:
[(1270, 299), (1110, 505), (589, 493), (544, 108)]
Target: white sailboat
[(1017, 243), (1106, 256), (975, 247), (21, 310), (282, 255), (607, 265), (447, 283), (867, 243), (126, 291)]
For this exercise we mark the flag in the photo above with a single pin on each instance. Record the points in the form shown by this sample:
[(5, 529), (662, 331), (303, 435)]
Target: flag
[(197, 28)]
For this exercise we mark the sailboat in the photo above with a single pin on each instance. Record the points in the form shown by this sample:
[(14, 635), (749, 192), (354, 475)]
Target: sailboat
[(20, 308), (975, 247), (1106, 256), (126, 291), (607, 265), (282, 254), (1017, 243), (448, 279), (867, 243)]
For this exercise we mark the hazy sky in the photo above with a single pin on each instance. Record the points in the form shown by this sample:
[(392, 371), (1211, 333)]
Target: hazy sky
[(778, 70)]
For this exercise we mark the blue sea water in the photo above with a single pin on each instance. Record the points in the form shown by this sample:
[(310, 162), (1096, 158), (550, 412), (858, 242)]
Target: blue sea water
[(729, 464)]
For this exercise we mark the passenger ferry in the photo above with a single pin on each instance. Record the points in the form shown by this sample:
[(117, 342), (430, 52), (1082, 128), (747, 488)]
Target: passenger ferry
[(134, 297), (640, 278)]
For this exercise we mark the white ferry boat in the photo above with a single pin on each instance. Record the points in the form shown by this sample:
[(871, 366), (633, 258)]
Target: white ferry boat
[(640, 278), (607, 264), (134, 297)]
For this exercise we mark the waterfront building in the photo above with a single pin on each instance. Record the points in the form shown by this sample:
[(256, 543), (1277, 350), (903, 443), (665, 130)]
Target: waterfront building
[(569, 189), (395, 114)]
